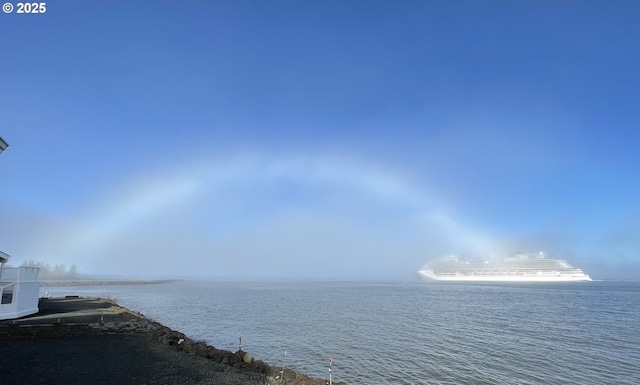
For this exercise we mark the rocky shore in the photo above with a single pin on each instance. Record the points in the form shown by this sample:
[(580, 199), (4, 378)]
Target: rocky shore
[(76, 340)]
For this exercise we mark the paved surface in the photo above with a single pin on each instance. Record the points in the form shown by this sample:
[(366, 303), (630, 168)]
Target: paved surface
[(74, 310), (109, 360), (41, 354)]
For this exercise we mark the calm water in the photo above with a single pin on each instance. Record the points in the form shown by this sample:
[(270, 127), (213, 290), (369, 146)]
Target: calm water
[(410, 333)]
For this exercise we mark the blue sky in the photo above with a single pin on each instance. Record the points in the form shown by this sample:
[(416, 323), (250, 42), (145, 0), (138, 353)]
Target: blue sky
[(319, 140)]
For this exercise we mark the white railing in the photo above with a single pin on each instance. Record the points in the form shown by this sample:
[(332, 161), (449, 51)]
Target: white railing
[(19, 289), (11, 277), (20, 274)]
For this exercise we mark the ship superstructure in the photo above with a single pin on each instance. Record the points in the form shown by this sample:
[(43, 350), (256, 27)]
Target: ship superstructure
[(514, 268)]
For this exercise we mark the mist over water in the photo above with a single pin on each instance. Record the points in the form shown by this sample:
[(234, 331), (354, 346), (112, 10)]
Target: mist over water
[(410, 333)]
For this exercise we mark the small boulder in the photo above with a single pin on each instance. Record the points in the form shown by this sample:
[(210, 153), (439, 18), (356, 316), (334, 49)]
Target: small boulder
[(289, 375), (248, 358), (260, 367)]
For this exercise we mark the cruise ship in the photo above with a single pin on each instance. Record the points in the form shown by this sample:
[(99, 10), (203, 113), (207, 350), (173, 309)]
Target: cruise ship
[(514, 268)]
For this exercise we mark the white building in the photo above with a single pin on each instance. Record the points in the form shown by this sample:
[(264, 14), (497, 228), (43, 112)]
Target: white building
[(19, 290)]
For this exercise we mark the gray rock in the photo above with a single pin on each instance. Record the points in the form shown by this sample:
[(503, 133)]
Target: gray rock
[(289, 375)]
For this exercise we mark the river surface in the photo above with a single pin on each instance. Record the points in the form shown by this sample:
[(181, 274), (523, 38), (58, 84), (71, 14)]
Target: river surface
[(409, 333)]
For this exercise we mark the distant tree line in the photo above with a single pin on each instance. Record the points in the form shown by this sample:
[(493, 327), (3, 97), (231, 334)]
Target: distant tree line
[(53, 272)]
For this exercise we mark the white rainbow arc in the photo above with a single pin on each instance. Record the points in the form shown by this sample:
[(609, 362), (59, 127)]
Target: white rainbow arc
[(184, 184)]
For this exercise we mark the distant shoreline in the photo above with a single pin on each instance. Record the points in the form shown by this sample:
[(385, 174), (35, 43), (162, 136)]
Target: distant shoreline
[(103, 282)]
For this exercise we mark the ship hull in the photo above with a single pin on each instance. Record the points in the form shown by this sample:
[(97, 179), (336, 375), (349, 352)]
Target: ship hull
[(501, 278)]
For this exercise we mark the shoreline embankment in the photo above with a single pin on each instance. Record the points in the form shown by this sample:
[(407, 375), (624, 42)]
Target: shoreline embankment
[(69, 336)]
